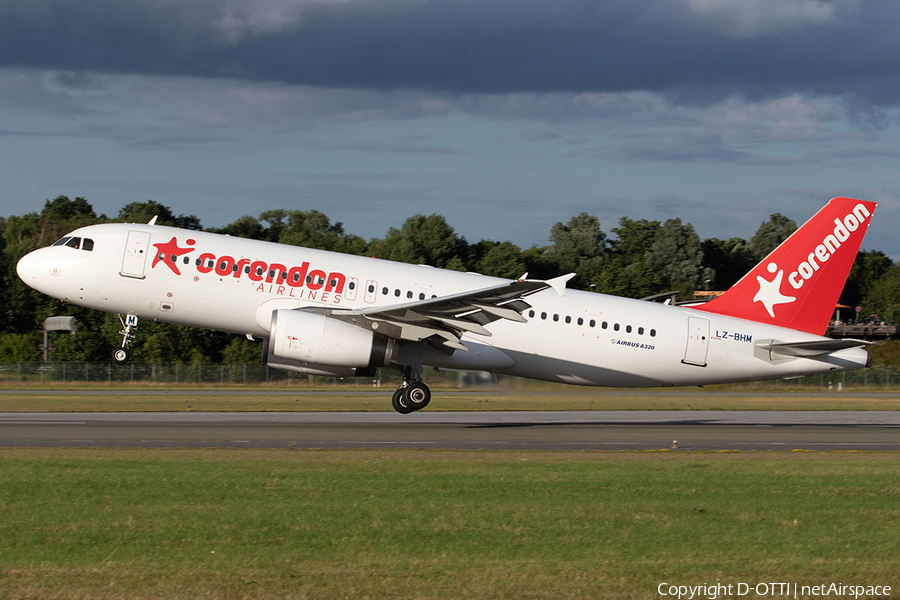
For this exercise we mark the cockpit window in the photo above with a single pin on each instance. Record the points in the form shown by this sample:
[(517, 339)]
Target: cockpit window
[(62, 240), (88, 244), (74, 242)]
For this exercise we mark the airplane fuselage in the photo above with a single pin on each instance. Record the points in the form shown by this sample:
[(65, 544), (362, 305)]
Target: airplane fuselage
[(234, 285)]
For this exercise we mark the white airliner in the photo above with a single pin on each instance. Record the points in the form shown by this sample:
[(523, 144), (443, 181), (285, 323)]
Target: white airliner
[(325, 313)]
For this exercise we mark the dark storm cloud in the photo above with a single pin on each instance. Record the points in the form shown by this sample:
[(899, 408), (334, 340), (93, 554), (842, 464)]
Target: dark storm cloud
[(695, 50)]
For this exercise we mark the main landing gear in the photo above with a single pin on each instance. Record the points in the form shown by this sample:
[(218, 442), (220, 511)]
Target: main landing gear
[(129, 325), (412, 395)]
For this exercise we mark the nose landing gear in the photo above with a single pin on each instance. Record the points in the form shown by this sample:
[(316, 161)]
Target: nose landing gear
[(129, 325)]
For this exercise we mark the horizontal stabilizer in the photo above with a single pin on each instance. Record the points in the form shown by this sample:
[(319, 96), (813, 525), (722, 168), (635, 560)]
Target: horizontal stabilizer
[(810, 348)]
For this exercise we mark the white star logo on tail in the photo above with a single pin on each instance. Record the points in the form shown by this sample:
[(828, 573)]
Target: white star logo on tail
[(770, 291)]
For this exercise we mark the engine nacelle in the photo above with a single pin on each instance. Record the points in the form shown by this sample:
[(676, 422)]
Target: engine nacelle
[(286, 364), (315, 339)]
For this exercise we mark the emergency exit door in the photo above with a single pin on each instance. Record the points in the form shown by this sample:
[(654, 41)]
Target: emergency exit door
[(371, 291)]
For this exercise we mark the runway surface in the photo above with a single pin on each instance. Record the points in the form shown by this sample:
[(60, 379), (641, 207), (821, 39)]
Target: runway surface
[(676, 392), (556, 430)]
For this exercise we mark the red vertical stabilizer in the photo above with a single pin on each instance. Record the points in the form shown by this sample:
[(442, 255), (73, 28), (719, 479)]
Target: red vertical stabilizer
[(798, 284)]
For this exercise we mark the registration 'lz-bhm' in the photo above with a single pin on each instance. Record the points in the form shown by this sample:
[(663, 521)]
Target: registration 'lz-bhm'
[(324, 313)]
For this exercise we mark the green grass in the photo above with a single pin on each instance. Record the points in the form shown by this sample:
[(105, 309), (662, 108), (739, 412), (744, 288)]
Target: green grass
[(175, 524)]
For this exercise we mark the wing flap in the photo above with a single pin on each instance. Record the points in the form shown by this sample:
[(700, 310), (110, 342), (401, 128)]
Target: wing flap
[(502, 312)]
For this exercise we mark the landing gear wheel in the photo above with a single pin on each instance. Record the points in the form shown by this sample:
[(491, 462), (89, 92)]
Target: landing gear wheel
[(120, 356), (417, 395), (399, 402), (129, 325)]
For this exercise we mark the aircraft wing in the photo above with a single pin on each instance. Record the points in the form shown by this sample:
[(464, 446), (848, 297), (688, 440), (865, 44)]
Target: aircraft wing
[(442, 321)]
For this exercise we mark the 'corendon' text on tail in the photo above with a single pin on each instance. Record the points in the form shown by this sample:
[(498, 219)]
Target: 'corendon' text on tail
[(798, 284)]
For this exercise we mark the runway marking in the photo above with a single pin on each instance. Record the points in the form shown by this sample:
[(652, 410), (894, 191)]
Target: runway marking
[(43, 422)]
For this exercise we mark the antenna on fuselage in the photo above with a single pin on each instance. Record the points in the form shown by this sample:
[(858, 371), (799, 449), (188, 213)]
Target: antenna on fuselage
[(153, 220)]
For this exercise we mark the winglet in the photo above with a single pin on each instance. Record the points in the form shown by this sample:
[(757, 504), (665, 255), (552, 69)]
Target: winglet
[(559, 283), (153, 220)]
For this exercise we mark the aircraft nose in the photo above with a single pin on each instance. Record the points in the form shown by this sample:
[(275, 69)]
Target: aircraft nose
[(27, 268)]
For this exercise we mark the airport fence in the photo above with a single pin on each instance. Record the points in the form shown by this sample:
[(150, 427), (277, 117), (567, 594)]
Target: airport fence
[(209, 374), (874, 378), (877, 377)]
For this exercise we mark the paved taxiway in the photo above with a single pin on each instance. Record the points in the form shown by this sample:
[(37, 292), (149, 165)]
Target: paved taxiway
[(560, 430)]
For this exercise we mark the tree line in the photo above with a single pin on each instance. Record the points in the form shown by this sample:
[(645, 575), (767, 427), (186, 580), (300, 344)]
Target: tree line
[(637, 258)]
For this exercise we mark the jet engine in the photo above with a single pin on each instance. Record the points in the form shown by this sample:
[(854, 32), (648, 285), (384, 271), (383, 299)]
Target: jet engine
[(313, 343)]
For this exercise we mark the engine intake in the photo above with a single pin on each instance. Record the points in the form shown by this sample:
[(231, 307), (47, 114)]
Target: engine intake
[(313, 338)]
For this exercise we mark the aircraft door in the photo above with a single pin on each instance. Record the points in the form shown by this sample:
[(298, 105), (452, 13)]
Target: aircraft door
[(137, 249), (371, 291), (697, 342)]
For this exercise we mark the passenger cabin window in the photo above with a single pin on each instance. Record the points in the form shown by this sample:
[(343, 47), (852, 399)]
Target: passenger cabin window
[(74, 242)]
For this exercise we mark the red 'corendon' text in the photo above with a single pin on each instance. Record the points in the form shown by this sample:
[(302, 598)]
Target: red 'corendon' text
[(274, 273)]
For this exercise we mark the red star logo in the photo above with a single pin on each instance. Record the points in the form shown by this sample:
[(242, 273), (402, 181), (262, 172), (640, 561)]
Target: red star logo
[(165, 253)]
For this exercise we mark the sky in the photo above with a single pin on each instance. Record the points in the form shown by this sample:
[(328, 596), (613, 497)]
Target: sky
[(504, 116)]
